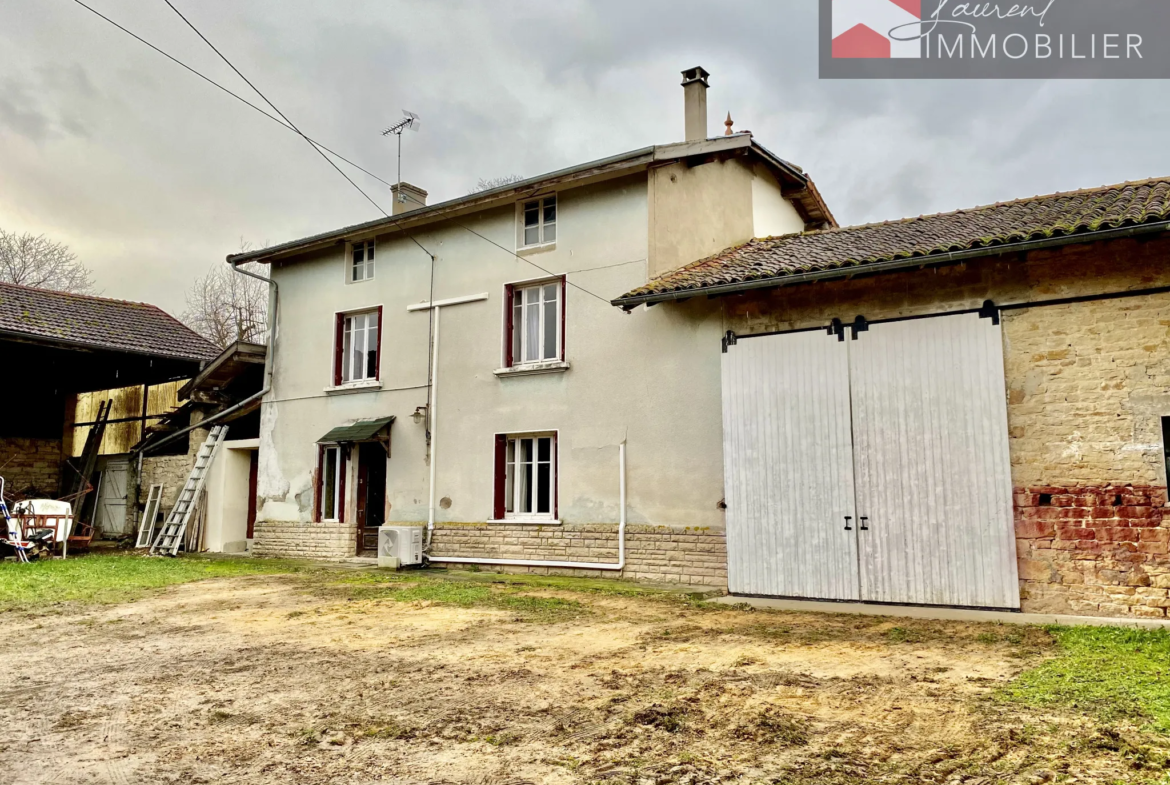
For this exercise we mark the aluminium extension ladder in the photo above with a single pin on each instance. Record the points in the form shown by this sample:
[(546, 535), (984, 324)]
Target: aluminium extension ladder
[(170, 537)]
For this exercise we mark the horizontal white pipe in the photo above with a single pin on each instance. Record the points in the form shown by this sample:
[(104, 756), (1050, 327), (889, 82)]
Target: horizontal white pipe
[(570, 565), (471, 298)]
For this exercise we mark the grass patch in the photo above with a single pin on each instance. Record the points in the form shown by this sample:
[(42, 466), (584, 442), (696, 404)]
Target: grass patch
[(105, 579), (1109, 672)]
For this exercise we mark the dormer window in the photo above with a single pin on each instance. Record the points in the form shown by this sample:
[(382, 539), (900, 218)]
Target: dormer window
[(361, 266), (538, 222)]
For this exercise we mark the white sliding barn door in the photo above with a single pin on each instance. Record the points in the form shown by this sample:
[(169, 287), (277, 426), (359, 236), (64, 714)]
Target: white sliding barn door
[(788, 464), (931, 461)]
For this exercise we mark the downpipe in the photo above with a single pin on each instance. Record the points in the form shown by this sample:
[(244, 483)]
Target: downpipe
[(572, 565), (268, 370)]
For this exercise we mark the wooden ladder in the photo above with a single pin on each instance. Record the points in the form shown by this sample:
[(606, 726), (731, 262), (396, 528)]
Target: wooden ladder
[(170, 536)]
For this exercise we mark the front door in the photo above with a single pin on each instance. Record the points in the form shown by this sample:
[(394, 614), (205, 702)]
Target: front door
[(371, 496)]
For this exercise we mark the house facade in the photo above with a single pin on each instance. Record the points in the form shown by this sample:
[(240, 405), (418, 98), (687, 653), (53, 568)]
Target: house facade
[(471, 348), (968, 409)]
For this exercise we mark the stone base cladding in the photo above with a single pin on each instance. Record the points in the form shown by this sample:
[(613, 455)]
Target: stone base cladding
[(325, 540), (1098, 551), (31, 466), (695, 556)]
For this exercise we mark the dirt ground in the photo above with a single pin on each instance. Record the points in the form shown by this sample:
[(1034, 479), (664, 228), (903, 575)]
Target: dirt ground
[(282, 679)]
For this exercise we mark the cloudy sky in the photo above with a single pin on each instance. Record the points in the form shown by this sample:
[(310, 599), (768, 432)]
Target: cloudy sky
[(152, 175)]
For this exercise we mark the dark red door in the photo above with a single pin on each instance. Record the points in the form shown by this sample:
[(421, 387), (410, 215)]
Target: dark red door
[(253, 472)]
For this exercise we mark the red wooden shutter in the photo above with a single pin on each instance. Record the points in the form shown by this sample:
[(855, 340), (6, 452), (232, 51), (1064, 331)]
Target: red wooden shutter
[(499, 508), (339, 347), (555, 480), (564, 288), (318, 486), (508, 326), (342, 467), (378, 348)]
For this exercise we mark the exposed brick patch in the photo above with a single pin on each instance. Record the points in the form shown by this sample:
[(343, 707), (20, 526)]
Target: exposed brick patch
[(32, 467), (303, 539), (1094, 551), (653, 553)]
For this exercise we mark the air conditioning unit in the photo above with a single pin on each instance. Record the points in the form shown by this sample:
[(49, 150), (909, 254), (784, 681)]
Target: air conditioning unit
[(399, 546)]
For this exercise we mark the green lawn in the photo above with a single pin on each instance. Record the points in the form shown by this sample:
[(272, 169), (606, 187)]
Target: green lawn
[(115, 578), (1109, 672)]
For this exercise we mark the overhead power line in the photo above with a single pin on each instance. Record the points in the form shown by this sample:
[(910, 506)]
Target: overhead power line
[(318, 146), (291, 124)]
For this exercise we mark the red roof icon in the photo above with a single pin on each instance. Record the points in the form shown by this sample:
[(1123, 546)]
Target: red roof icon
[(861, 41)]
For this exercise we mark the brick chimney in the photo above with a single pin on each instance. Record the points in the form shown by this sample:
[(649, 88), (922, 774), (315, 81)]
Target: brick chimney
[(411, 198), (695, 86)]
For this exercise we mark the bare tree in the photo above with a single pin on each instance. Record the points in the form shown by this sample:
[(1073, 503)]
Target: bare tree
[(224, 306), (495, 182), (35, 260)]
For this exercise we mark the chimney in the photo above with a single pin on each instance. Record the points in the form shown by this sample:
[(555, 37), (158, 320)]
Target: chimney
[(695, 86), (411, 198)]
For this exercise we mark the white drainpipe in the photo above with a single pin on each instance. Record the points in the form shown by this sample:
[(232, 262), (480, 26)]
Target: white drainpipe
[(576, 565), (433, 422)]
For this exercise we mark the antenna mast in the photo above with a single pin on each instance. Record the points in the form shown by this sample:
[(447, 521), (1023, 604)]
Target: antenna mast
[(409, 120)]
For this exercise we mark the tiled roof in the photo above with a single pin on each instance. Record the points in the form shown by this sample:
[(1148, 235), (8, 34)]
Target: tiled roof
[(1040, 217), (115, 325)]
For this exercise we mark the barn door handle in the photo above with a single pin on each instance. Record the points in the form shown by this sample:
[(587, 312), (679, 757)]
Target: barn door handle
[(863, 519), (848, 519)]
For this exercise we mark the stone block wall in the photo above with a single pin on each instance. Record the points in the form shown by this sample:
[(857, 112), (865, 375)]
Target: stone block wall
[(307, 540), (653, 553), (1094, 551), (30, 464)]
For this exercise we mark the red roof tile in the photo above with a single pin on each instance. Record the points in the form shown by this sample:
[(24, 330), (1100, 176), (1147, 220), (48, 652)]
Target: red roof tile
[(852, 248), (115, 325)]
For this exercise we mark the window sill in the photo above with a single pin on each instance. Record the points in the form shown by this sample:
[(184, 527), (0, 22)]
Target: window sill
[(530, 249), (354, 387), (531, 369), (528, 521)]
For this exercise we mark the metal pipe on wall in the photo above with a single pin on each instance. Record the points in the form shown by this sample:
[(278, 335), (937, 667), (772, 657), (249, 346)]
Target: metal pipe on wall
[(573, 565)]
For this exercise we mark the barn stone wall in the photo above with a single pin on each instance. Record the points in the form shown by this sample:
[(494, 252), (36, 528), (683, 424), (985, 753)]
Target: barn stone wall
[(30, 465)]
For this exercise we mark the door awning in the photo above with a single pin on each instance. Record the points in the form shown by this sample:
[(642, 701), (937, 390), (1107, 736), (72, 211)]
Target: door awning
[(360, 431)]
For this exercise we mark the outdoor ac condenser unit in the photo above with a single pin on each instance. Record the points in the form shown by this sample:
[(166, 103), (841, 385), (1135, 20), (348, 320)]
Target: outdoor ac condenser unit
[(399, 545)]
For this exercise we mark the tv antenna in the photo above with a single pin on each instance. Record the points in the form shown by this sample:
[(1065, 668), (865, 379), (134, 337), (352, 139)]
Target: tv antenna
[(409, 120)]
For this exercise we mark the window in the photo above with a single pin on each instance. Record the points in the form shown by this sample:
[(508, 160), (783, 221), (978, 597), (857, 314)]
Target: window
[(526, 476), (330, 483), (535, 322), (361, 266), (356, 352), (538, 222)]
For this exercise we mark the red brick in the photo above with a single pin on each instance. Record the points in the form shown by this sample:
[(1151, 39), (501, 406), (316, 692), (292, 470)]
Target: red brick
[(1069, 531), (1031, 530)]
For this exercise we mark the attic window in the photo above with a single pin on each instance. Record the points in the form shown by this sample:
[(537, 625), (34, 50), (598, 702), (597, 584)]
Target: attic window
[(361, 265), (538, 222)]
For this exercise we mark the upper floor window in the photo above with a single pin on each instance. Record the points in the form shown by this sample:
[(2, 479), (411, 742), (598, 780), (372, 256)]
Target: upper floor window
[(361, 263), (538, 222), (356, 357), (536, 322)]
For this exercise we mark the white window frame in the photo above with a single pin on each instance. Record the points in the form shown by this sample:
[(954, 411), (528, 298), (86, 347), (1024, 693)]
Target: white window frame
[(347, 332), (513, 489), (366, 265), (517, 315), (334, 514), (546, 231)]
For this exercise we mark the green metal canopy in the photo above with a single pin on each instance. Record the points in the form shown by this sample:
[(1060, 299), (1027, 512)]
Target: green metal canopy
[(360, 431)]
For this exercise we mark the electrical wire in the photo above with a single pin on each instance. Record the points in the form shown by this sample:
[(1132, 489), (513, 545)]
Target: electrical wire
[(320, 148), (291, 124), (234, 95)]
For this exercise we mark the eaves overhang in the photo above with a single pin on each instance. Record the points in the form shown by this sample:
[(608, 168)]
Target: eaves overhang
[(900, 264)]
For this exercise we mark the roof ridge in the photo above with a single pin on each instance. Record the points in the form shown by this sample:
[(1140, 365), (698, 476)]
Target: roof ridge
[(961, 210), (98, 297)]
